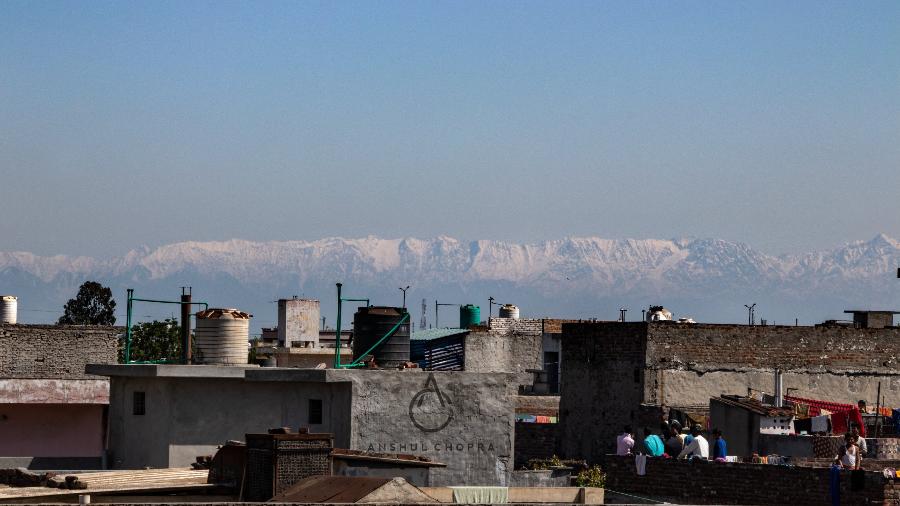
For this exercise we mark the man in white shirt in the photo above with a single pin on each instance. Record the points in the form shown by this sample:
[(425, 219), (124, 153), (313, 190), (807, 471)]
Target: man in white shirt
[(699, 446), (625, 442)]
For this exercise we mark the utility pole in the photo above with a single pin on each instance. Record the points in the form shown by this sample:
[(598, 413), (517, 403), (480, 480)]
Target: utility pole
[(750, 314), (404, 295), (423, 324)]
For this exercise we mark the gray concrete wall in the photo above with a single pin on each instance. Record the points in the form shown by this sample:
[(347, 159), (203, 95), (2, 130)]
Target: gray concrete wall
[(496, 351), (465, 420), (472, 432), (55, 351), (187, 417), (739, 427), (298, 321)]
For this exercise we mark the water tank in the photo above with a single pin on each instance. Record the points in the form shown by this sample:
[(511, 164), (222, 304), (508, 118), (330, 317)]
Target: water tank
[(370, 324), (469, 315), (658, 314), (221, 336), (8, 308), (509, 311)]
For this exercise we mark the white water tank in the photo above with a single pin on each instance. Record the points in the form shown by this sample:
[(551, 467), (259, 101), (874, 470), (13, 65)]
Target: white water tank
[(9, 308), (509, 311), (658, 314), (221, 336)]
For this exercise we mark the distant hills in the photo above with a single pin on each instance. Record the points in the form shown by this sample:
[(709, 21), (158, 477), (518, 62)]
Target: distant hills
[(578, 277)]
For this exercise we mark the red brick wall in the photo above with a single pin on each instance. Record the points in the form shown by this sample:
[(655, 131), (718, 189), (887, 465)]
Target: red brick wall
[(534, 441), (704, 482)]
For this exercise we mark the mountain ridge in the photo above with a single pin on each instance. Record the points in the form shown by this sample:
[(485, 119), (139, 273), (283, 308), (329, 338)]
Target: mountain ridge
[(561, 275)]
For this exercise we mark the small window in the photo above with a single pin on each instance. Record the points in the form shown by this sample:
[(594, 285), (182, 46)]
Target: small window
[(315, 411), (139, 406)]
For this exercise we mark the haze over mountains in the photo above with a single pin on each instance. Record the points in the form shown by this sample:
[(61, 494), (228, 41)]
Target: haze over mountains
[(586, 277)]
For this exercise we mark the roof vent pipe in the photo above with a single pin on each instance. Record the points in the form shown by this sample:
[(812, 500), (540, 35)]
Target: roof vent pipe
[(779, 389)]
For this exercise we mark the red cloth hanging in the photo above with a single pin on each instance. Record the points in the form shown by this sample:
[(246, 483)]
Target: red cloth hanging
[(840, 414)]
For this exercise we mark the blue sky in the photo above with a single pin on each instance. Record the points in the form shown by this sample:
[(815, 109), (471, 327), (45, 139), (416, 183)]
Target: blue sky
[(131, 123)]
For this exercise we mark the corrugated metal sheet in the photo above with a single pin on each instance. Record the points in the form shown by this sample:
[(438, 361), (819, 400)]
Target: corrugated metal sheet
[(440, 354)]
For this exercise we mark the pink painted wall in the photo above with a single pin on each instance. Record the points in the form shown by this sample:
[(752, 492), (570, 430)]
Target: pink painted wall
[(51, 430)]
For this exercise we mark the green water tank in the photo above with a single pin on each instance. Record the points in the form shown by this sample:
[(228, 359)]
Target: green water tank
[(469, 315)]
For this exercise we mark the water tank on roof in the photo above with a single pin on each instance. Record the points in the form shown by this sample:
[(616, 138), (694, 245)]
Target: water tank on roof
[(509, 311), (221, 336), (8, 308), (658, 314), (372, 323), (469, 315)]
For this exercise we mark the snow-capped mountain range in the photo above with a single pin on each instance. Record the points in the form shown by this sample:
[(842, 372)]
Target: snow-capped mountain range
[(579, 277)]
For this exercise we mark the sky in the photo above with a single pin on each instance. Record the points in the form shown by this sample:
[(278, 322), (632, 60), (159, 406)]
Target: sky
[(125, 124)]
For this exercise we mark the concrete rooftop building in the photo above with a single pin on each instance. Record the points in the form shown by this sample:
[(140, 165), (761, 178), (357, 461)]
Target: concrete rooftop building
[(52, 413), (167, 415), (616, 373)]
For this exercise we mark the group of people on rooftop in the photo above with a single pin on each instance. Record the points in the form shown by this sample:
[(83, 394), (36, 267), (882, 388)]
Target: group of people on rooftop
[(673, 443)]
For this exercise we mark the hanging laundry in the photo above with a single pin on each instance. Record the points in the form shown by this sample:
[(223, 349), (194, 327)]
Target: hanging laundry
[(835, 485), (640, 464), (839, 423), (856, 417)]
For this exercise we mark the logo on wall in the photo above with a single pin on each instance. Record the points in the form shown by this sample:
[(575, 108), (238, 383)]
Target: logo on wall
[(430, 410)]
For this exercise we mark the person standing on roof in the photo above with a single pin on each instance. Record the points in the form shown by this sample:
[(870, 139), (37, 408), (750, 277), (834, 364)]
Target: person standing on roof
[(625, 442), (653, 444), (720, 449), (674, 443), (699, 446)]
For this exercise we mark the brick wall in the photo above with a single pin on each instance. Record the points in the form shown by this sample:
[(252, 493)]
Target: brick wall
[(55, 351), (601, 386), (534, 441), (609, 369), (704, 482), (532, 326), (834, 348)]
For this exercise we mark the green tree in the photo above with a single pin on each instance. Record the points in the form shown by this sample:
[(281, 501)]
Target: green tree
[(154, 340), (93, 305)]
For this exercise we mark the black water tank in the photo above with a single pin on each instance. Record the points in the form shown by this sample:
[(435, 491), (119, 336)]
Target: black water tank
[(371, 324)]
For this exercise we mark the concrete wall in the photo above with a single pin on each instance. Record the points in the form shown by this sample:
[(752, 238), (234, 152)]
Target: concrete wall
[(471, 432), (298, 321), (187, 417), (462, 419), (739, 427), (55, 351), (51, 430), (501, 351)]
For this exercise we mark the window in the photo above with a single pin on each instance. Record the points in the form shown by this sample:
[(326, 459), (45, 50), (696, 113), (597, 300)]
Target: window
[(315, 411), (139, 405)]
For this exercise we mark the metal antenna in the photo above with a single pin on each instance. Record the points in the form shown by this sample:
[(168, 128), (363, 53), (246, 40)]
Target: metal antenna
[(750, 314), (404, 295)]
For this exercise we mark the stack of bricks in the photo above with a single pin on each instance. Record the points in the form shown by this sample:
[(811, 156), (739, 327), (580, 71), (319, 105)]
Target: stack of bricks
[(705, 482)]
